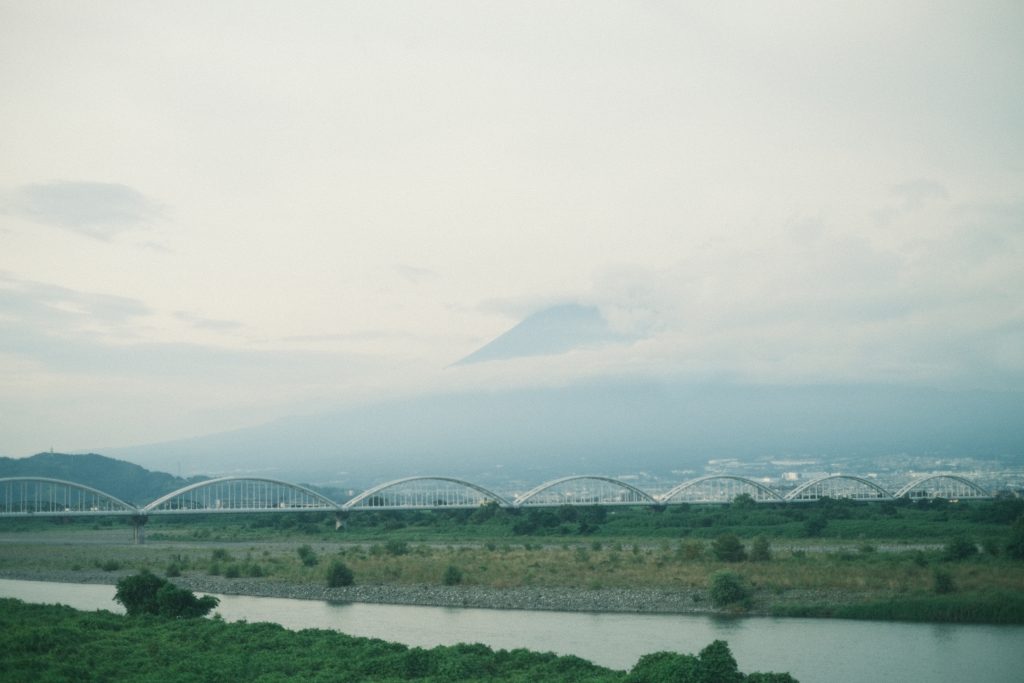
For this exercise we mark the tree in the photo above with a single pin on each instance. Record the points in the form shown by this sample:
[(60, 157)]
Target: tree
[(146, 593), (718, 664), (728, 548), (728, 588), (338, 574)]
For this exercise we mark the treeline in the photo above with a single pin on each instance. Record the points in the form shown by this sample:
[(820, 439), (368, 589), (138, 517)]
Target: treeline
[(53, 642), (828, 518)]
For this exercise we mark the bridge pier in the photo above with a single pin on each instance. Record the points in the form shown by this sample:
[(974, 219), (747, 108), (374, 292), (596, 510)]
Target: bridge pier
[(341, 521), (139, 529)]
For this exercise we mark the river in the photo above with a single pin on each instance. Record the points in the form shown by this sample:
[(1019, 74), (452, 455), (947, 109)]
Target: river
[(833, 650)]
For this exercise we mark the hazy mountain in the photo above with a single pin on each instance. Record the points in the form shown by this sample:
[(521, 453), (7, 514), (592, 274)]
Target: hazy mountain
[(551, 331), (129, 482), (609, 428)]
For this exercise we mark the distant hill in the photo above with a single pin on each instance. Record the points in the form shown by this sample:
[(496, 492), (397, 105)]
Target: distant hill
[(131, 483), (614, 428)]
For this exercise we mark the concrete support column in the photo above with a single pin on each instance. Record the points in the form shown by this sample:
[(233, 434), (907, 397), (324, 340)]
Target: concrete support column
[(139, 529)]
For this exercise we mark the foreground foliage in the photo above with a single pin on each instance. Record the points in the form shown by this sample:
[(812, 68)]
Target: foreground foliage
[(53, 642)]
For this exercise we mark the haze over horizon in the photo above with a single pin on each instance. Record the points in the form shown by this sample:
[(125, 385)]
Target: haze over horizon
[(215, 217)]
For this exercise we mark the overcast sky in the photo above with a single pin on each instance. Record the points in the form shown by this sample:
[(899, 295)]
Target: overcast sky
[(213, 214)]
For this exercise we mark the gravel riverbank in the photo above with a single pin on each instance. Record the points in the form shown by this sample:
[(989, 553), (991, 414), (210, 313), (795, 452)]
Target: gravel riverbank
[(639, 600)]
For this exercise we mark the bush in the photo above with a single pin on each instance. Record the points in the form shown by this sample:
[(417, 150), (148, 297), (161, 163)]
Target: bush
[(959, 549), (815, 526), (110, 565), (1015, 546), (396, 548), (761, 551), (943, 582), (452, 576), (220, 555), (308, 557), (338, 574), (727, 548), (233, 571), (173, 569), (146, 593), (728, 588)]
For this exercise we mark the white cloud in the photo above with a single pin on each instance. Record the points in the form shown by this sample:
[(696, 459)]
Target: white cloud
[(99, 210)]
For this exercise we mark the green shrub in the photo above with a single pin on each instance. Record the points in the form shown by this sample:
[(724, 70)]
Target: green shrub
[(220, 555), (338, 574), (727, 548), (728, 588), (761, 550), (110, 565), (146, 593), (452, 576), (959, 549), (943, 582), (396, 548), (307, 555), (1015, 546), (173, 569), (233, 571)]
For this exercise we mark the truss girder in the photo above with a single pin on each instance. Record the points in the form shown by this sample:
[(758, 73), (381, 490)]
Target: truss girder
[(21, 496), (948, 486), (424, 493), (839, 486), (719, 488), (241, 494), (585, 490)]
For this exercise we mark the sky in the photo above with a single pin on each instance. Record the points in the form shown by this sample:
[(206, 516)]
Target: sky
[(214, 214)]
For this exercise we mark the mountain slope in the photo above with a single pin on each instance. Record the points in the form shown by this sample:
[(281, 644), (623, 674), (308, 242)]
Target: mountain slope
[(129, 482), (554, 330), (609, 428)]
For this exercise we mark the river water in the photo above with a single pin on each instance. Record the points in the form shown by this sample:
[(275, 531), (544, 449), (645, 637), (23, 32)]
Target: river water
[(830, 650)]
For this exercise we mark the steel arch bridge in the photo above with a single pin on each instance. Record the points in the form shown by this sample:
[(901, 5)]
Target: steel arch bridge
[(240, 494), (719, 488), (585, 489), (948, 486), (424, 493), (838, 486), (41, 496)]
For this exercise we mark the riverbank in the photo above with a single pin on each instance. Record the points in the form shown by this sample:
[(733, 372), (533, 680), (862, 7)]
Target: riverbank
[(561, 599)]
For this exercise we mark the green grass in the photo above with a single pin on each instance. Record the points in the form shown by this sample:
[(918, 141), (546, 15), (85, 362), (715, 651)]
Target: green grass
[(991, 607)]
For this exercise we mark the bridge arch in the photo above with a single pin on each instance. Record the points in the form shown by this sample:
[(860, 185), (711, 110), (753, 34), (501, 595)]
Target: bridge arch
[(950, 486), (241, 494), (608, 491), (424, 492), (723, 489), (56, 497), (838, 486)]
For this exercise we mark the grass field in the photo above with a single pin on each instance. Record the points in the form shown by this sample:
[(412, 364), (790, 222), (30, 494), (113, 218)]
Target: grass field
[(859, 554)]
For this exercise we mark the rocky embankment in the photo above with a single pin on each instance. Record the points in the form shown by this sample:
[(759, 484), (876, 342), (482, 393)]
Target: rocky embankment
[(635, 600)]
